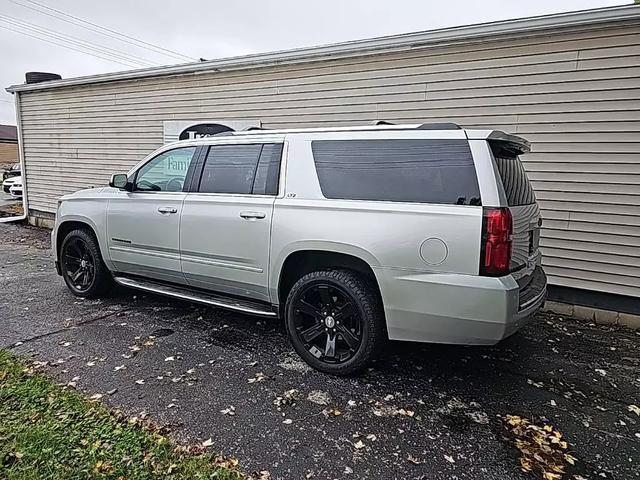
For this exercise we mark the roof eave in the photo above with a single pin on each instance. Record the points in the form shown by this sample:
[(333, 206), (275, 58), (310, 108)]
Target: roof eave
[(362, 47)]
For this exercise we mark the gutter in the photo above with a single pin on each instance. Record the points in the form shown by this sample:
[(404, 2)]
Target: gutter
[(23, 172), (392, 43)]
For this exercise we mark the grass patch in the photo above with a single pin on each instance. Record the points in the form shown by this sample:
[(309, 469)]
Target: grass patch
[(49, 432)]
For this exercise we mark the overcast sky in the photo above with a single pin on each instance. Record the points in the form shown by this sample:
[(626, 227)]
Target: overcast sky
[(215, 29)]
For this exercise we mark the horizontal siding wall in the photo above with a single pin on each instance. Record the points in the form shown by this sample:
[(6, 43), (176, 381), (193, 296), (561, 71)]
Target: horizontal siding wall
[(575, 95)]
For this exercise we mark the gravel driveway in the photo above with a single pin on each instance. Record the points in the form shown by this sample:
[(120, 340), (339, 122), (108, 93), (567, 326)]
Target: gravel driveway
[(423, 411)]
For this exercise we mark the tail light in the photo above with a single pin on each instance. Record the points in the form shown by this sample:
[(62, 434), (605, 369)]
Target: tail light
[(497, 231)]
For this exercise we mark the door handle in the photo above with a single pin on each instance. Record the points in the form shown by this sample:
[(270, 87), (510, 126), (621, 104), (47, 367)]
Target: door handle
[(252, 215), (165, 210)]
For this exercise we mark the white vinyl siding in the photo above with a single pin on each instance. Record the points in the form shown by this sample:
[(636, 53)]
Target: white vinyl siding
[(575, 94)]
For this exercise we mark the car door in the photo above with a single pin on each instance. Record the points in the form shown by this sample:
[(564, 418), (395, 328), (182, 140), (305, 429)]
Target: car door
[(143, 225), (226, 219)]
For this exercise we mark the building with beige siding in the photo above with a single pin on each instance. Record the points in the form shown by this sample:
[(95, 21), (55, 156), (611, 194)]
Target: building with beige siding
[(8, 146), (569, 83)]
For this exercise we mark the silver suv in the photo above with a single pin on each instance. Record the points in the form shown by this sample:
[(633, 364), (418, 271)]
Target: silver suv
[(424, 233)]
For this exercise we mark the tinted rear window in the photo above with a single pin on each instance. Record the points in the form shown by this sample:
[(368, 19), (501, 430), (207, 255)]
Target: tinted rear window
[(515, 182), (230, 168), (242, 169), (420, 171)]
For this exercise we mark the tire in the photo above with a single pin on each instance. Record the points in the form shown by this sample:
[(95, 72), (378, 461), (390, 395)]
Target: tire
[(83, 245), (311, 325)]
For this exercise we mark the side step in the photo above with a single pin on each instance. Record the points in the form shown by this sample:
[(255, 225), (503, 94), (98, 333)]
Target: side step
[(215, 300)]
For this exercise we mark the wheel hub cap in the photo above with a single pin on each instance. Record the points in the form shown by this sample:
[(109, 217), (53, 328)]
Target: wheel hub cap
[(330, 322), (83, 264)]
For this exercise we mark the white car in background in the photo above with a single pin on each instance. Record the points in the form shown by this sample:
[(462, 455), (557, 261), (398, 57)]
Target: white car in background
[(9, 182), (15, 189)]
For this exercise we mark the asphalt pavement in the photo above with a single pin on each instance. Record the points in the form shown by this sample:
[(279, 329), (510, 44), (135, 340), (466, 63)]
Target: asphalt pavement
[(422, 411)]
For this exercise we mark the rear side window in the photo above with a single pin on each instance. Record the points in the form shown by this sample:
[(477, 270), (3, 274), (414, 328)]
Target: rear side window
[(516, 185), (419, 171), (242, 169), (268, 173)]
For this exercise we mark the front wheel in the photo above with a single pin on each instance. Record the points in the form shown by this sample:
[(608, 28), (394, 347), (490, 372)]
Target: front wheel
[(81, 263), (335, 321)]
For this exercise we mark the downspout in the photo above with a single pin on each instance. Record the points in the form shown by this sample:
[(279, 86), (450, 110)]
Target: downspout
[(23, 171)]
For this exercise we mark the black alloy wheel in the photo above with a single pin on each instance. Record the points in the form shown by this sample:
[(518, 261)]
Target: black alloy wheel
[(328, 323), (335, 320), (78, 265), (81, 264)]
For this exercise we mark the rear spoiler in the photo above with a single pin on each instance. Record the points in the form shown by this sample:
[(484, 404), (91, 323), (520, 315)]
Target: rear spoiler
[(506, 145)]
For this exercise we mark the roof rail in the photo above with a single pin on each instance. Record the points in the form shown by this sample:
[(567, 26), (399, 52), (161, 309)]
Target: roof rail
[(250, 129), (382, 122), (439, 126)]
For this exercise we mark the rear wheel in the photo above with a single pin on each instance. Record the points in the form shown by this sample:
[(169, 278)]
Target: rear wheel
[(81, 264), (335, 321)]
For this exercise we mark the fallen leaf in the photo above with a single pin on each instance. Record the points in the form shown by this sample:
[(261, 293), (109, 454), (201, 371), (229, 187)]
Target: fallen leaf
[(634, 408), (207, 443), (120, 367), (359, 444), (140, 382), (287, 421), (169, 359), (229, 411), (414, 460), (90, 364), (601, 372), (319, 397), (95, 396), (259, 377), (449, 459)]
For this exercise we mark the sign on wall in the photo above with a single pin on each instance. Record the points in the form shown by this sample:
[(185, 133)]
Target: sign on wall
[(174, 130)]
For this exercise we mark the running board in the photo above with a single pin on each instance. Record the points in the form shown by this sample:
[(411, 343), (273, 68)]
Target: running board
[(215, 300)]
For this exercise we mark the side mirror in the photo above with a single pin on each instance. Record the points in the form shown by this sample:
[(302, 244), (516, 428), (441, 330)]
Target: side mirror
[(120, 181)]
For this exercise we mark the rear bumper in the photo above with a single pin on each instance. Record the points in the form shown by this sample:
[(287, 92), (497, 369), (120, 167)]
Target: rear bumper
[(455, 309)]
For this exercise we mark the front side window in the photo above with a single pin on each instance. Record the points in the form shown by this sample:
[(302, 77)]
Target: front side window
[(166, 172), (413, 170), (242, 169)]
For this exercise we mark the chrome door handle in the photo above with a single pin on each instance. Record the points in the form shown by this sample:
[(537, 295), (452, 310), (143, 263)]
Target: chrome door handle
[(164, 210), (252, 215)]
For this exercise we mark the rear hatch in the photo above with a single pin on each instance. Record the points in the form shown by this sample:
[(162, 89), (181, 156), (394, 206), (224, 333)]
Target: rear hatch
[(525, 253)]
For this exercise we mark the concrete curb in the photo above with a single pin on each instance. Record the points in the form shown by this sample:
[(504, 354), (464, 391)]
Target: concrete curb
[(597, 315)]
